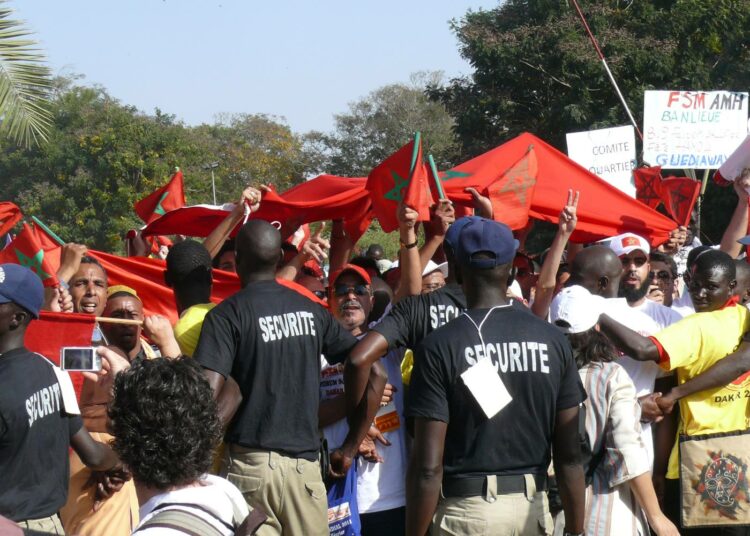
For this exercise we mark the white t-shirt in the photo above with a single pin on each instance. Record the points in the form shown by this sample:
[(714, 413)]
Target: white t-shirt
[(216, 497), (646, 319), (380, 486)]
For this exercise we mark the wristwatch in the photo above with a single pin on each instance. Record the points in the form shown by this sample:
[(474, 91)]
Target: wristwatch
[(408, 246)]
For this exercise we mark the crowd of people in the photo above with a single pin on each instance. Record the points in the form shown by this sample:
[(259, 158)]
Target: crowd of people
[(466, 387)]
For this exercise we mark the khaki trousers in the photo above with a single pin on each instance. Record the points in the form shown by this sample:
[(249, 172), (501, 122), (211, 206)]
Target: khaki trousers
[(289, 490), (46, 525), (513, 514)]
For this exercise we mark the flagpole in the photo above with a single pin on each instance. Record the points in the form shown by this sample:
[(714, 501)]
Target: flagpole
[(48, 231), (127, 321), (434, 170), (606, 68)]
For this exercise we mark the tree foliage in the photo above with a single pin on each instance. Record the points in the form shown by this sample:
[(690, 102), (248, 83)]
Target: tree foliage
[(380, 123), (102, 156), (25, 83), (535, 69)]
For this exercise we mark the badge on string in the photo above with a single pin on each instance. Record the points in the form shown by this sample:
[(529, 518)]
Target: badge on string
[(386, 419), (486, 387)]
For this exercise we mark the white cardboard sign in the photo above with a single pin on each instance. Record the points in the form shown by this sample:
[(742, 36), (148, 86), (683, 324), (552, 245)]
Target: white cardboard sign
[(608, 153), (693, 129)]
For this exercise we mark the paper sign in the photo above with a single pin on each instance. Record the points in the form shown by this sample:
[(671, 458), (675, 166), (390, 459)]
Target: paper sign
[(486, 387), (608, 153), (692, 129)]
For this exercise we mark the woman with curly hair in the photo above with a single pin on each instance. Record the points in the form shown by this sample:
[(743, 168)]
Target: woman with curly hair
[(620, 499), (166, 427)]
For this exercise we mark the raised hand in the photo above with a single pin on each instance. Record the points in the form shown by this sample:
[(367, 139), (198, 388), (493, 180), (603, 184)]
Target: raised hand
[(317, 247), (569, 216), (482, 204)]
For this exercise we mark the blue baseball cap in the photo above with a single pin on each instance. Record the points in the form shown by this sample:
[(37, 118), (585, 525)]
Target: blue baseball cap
[(486, 236), (453, 232), (21, 286)]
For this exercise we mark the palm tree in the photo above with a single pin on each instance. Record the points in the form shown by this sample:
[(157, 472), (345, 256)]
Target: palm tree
[(25, 83)]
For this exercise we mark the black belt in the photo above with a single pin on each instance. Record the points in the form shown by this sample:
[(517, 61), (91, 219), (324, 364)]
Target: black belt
[(477, 485)]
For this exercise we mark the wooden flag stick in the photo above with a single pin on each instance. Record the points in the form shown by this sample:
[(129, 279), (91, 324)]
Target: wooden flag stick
[(127, 321), (434, 170)]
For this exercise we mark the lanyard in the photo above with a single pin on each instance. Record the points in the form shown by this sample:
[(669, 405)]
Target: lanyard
[(479, 327)]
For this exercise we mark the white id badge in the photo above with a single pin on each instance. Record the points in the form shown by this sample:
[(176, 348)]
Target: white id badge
[(486, 387)]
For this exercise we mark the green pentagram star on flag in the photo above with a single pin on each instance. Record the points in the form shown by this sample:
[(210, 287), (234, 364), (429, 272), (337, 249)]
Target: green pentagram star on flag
[(33, 263)]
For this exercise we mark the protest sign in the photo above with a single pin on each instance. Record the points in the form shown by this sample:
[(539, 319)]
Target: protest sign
[(608, 153), (693, 129)]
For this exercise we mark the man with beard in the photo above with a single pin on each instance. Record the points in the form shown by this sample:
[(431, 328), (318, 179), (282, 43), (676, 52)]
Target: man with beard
[(380, 469), (641, 315)]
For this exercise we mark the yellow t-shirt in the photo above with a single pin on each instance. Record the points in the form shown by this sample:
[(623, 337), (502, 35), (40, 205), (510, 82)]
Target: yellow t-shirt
[(694, 344), (187, 330)]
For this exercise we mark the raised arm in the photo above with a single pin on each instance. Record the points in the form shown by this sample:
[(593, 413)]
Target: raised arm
[(219, 235), (341, 246), (315, 248), (631, 343), (737, 227), (545, 285), (411, 270), (442, 216)]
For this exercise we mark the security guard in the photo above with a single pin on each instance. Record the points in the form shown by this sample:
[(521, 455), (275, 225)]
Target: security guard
[(490, 393)]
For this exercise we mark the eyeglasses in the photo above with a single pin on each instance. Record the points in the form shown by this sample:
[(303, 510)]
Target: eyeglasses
[(638, 261), (661, 274), (343, 290)]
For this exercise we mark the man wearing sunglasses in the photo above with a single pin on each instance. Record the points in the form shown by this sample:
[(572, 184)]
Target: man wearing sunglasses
[(663, 276), (380, 470), (642, 315)]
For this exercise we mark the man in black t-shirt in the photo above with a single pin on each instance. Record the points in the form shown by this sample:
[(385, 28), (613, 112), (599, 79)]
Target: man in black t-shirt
[(490, 393), (39, 417), (269, 339)]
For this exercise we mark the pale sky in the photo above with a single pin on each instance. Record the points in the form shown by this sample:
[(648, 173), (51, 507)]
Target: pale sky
[(303, 60)]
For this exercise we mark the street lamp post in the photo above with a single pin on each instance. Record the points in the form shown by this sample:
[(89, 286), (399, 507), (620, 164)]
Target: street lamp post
[(212, 166)]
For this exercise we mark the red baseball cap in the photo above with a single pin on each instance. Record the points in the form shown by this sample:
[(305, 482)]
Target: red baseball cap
[(361, 272)]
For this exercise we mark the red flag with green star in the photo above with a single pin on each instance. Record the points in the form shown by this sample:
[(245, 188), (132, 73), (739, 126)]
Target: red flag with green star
[(26, 251), (390, 183), (168, 197)]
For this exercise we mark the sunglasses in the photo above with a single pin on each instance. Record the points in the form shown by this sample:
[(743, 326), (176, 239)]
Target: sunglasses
[(320, 294), (638, 261), (344, 290), (661, 274)]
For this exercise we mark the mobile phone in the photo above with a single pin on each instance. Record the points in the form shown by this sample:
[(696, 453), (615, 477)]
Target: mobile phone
[(80, 358)]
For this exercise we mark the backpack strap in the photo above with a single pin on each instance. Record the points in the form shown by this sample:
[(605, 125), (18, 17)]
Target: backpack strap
[(176, 516)]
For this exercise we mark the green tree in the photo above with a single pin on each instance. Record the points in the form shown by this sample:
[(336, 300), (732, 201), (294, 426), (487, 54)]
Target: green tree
[(535, 70), (25, 83), (103, 156), (380, 123)]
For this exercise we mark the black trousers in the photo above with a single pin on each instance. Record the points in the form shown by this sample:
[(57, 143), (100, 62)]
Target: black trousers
[(385, 523), (672, 511)]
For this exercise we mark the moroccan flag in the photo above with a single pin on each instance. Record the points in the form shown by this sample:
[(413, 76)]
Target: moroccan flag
[(648, 185), (10, 215), (388, 183), (51, 331), (679, 195), (511, 194), (26, 251), (168, 197), (417, 194), (326, 197)]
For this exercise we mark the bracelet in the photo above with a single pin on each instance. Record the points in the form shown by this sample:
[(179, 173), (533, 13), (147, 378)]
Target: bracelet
[(408, 246)]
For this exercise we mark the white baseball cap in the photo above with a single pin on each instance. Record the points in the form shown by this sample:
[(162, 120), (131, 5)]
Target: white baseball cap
[(578, 307), (625, 243), (432, 266)]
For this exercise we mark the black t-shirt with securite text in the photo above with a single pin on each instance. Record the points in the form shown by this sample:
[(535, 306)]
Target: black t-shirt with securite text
[(413, 318), (535, 363), (35, 434), (269, 338)]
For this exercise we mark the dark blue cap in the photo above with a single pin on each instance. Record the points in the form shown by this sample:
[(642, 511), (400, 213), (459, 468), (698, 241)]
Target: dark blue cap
[(22, 287), (451, 236), (493, 238)]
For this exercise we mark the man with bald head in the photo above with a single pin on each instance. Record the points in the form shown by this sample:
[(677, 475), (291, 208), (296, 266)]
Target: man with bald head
[(269, 337), (598, 270)]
